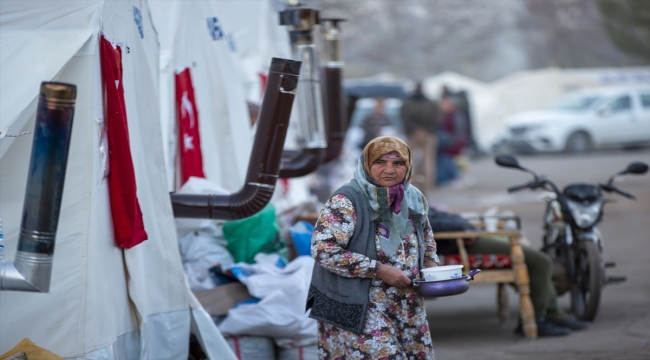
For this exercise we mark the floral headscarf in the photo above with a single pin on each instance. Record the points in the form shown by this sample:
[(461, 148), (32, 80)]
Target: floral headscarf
[(393, 224), (383, 145)]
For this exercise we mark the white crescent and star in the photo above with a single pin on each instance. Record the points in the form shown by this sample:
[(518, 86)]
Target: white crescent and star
[(188, 142), (186, 108)]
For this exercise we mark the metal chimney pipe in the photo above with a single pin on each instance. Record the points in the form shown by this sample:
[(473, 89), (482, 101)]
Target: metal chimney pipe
[(311, 132), (264, 163), (333, 88), (32, 268)]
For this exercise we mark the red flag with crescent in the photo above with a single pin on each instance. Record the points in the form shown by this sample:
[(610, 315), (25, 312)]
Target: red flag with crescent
[(189, 140), (128, 225)]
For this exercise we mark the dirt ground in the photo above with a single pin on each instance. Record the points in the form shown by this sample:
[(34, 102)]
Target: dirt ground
[(466, 326)]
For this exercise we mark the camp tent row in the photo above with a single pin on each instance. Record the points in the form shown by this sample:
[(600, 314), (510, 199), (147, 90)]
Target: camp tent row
[(106, 302)]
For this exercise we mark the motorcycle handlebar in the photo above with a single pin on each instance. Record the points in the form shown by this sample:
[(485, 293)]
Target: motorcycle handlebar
[(624, 193), (612, 188), (518, 188)]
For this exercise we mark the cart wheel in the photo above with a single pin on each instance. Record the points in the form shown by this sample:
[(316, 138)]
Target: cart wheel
[(590, 273)]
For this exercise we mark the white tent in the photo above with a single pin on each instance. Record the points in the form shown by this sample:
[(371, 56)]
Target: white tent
[(617, 76), (432, 86), (104, 302), (187, 40)]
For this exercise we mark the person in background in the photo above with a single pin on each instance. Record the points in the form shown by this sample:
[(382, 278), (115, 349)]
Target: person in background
[(373, 123), (461, 99), (452, 139), (370, 242), (550, 318), (453, 128), (420, 117), (464, 105)]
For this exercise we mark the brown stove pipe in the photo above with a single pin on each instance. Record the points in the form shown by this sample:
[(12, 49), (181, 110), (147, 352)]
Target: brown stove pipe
[(333, 99), (334, 113), (300, 163), (264, 163)]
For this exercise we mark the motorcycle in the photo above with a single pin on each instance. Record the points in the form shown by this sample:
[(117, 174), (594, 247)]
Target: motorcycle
[(571, 237)]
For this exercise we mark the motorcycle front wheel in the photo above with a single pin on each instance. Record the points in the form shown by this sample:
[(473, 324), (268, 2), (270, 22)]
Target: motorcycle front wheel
[(589, 276)]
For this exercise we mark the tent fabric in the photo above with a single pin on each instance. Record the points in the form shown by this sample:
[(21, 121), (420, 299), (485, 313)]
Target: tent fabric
[(125, 207), (194, 34), (254, 45), (74, 21), (104, 301)]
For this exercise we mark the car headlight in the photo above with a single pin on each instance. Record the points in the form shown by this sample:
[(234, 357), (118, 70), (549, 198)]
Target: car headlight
[(585, 216), (522, 129)]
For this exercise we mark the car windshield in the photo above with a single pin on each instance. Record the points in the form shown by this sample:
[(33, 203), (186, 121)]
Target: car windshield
[(365, 106), (575, 103)]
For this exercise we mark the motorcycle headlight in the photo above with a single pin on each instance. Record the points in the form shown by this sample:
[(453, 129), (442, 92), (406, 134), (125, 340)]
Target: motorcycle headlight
[(585, 216)]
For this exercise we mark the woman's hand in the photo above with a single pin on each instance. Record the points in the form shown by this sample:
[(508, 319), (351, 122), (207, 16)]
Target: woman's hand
[(392, 276), (430, 264)]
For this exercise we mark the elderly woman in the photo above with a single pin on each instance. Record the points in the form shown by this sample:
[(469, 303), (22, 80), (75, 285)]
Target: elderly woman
[(370, 241)]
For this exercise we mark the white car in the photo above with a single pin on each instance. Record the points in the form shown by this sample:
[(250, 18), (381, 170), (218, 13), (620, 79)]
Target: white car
[(582, 120)]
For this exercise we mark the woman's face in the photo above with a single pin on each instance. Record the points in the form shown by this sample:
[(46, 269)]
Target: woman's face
[(388, 170)]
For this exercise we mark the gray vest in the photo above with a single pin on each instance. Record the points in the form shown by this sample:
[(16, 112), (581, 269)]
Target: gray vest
[(343, 301)]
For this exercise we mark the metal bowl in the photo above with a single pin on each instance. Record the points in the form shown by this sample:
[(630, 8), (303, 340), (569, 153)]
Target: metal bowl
[(432, 289)]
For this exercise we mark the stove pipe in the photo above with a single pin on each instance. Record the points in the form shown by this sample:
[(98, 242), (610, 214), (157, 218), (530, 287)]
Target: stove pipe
[(264, 162), (333, 88), (311, 130), (32, 268)]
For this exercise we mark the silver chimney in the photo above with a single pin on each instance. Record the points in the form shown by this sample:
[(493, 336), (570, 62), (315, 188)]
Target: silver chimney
[(32, 268)]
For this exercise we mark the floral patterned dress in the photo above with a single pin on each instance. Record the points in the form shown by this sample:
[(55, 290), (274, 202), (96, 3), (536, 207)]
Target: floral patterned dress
[(396, 325)]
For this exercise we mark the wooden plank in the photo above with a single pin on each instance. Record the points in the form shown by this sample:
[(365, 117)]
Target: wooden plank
[(308, 217), (494, 276), (222, 298)]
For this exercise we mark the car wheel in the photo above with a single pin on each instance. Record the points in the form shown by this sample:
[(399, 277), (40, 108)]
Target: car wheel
[(578, 142)]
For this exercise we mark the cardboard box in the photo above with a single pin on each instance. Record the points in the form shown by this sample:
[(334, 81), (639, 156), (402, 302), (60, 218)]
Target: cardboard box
[(223, 298)]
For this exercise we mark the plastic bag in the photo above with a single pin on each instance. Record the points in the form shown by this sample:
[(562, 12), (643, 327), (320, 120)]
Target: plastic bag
[(252, 235), (301, 233), (281, 312), (201, 250)]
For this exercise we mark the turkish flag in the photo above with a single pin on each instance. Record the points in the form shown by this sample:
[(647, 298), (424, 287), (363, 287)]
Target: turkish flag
[(125, 208), (191, 159)]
